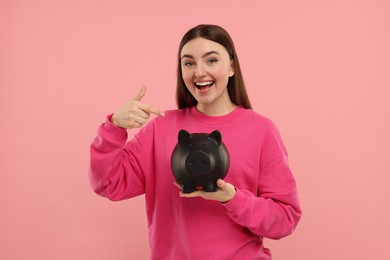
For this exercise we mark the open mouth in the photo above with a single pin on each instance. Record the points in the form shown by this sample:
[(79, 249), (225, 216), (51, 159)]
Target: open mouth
[(204, 85)]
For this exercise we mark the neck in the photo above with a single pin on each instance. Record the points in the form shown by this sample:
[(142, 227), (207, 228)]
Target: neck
[(216, 110)]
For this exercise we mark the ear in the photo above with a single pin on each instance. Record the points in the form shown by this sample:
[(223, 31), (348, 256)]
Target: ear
[(183, 136), (231, 72), (216, 135)]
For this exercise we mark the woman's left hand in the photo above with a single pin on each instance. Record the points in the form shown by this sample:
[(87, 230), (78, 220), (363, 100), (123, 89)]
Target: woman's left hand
[(224, 193)]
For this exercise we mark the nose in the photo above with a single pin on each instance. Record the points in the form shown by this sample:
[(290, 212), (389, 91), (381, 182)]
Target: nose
[(198, 162), (200, 71)]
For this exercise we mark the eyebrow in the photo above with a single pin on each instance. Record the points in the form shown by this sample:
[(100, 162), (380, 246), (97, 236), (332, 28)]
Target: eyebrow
[(204, 55)]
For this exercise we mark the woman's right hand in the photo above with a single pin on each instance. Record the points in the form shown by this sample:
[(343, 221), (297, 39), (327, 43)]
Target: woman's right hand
[(134, 113)]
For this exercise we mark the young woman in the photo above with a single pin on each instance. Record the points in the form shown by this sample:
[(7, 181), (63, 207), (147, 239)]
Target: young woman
[(258, 197)]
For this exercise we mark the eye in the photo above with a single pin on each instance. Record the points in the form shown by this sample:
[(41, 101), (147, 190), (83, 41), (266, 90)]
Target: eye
[(188, 63), (212, 60)]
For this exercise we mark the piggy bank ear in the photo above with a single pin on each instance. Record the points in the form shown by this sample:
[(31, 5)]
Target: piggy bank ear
[(216, 135), (183, 136)]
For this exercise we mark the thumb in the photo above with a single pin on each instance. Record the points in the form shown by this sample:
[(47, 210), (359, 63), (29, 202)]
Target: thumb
[(221, 183), (141, 93)]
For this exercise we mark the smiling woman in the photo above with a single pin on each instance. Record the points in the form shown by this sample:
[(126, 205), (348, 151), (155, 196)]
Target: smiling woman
[(257, 199)]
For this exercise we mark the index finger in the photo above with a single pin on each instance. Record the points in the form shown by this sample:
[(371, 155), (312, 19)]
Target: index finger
[(151, 109)]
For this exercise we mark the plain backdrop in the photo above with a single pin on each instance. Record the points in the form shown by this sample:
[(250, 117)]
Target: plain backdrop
[(318, 69)]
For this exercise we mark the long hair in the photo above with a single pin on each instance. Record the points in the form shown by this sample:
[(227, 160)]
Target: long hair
[(236, 87)]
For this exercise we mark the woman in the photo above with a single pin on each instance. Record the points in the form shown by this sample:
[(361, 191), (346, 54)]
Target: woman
[(258, 197)]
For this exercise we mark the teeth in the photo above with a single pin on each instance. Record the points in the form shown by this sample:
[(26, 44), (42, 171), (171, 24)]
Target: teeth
[(204, 83)]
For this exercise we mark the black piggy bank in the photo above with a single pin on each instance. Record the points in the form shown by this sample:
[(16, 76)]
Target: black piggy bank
[(199, 160)]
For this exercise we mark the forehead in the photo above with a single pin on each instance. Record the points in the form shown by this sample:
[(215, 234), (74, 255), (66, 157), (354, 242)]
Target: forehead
[(199, 46)]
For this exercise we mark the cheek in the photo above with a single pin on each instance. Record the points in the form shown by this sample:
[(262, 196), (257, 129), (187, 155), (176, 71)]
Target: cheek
[(222, 74), (186, 75), (187, 78)]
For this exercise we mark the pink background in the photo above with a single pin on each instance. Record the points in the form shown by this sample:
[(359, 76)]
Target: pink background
[(319, 69)]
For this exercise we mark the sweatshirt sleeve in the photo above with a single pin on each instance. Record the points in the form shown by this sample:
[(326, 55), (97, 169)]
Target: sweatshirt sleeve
[(274, 211), (115, 171)]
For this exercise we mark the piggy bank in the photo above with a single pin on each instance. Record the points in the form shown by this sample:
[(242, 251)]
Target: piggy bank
[(199, 160)]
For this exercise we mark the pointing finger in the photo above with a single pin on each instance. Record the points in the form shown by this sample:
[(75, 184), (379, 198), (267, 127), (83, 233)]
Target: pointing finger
[(150, 109)]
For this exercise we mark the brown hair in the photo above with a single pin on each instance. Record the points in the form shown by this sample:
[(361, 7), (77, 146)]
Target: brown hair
[(236, 86)]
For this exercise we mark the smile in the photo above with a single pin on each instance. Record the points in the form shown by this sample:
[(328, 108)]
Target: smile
[(204, 85)]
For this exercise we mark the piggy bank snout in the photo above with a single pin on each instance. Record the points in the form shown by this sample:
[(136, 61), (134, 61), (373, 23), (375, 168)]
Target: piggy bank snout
[(198, 162)]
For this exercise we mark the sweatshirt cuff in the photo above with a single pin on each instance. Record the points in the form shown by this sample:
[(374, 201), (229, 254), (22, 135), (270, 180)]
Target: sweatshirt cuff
[(236, 203), (113, 129)]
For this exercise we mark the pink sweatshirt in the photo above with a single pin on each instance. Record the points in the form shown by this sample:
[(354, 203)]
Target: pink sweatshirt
[(265, 205)]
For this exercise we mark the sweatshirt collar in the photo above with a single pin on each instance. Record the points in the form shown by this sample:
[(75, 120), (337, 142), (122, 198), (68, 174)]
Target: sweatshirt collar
[(216, 120)]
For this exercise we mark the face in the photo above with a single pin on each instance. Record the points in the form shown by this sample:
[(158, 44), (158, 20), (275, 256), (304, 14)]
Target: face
[(206, 68)]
